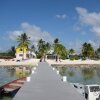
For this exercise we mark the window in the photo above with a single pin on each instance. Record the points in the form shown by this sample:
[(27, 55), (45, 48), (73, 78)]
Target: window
[(21, 55), (94, 88), (21, 50)]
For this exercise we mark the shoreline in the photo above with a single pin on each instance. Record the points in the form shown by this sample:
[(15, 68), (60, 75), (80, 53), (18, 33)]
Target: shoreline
[(75, 62), (33, 62), (76, 65)]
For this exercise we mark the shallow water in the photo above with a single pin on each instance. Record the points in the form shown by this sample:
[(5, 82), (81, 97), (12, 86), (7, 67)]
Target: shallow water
[(8, 74), (84, 74)]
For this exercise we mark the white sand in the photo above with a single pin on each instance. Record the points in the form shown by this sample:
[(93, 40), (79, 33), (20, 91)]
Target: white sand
[(33, 62), (64, 62)]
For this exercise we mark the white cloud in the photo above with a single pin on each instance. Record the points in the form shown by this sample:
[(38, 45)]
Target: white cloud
[(63, 16), (92, 19), (96, 30), (13, 35), (34, 32), (76, 45), (95, 44)]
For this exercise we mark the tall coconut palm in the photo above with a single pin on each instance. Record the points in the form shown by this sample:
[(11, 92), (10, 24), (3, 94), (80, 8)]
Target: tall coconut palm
[(71, 51), (23, 41), (40, 43), (87, 50), (43, 48), (40, 47), (33, 48), (56, 41), (98, 53), (59, 49), (84, 49), (12, 51)]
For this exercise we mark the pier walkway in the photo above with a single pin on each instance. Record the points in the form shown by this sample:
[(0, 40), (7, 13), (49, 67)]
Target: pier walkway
[(45, 84)]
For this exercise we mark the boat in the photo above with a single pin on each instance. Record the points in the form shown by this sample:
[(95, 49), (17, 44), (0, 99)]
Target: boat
[(12, 88), (90, 92)]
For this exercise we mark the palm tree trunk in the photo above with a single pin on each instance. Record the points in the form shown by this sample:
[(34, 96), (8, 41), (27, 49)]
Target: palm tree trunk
[(23, 54), (44, 57), (57, 57)]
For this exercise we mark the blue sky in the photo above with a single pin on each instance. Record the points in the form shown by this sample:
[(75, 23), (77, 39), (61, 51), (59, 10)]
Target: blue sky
[(72, 21)]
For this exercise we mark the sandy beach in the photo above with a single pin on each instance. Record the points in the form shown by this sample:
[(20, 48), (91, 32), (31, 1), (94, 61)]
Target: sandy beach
[(74, 62), (33, 62)]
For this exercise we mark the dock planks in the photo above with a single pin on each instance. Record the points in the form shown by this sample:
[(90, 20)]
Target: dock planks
[(45, 84)]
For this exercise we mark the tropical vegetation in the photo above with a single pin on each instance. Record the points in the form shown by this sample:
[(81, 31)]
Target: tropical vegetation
[(88, 51), (59, 49), (43, 48), (23, 41), (71, 51)]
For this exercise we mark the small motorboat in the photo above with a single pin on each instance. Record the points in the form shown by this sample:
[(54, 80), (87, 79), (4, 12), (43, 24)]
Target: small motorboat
[(12, 88), (90, 92)]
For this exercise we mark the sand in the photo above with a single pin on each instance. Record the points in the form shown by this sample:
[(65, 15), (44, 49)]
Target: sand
[(77, 62), (33, 62)]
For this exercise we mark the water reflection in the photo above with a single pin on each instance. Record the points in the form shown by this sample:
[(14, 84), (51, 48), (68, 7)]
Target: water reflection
[(62, 71), (22, 71), (10, 73), (71, 73), (88, 73), (85, 74)]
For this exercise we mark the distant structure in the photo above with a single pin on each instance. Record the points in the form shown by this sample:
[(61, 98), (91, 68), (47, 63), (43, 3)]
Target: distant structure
[(51, 55), (23, 53)]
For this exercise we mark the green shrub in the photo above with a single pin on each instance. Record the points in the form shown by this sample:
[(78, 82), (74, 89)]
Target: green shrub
[(84, 58), (72, 58), (77, 58)]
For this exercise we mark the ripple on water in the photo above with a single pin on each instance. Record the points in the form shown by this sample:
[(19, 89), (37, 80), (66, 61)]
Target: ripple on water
[(8, 74), (85, 74)]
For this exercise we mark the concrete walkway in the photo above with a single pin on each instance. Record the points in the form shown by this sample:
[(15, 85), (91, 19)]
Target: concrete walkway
[(45, 84)]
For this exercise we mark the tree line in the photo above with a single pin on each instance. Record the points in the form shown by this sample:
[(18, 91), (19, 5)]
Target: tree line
[(43, 48)]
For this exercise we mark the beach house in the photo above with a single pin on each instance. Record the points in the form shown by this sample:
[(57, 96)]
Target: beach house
[(22, 53)]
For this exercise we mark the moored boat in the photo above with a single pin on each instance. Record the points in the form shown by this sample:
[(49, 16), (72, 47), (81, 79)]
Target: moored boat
[(12, 88), (90, 92)]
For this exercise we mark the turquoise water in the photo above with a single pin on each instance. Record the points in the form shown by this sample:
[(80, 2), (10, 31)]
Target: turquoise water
[(84, 74), (8, 74)]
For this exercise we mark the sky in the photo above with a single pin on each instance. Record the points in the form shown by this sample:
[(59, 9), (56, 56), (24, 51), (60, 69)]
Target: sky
[(72, 21)]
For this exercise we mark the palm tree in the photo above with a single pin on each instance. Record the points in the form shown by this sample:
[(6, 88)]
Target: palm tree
[(87, 50), (43, 48), (56, 40), (33, 48), (40, 43), (32, 51), (84, 49), (40, 46), (12, 51), (97, 52), (71, 51), (59, 49), (23, 41)]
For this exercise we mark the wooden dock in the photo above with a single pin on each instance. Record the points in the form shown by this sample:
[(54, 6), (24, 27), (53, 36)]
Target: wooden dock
[(45, 84)]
